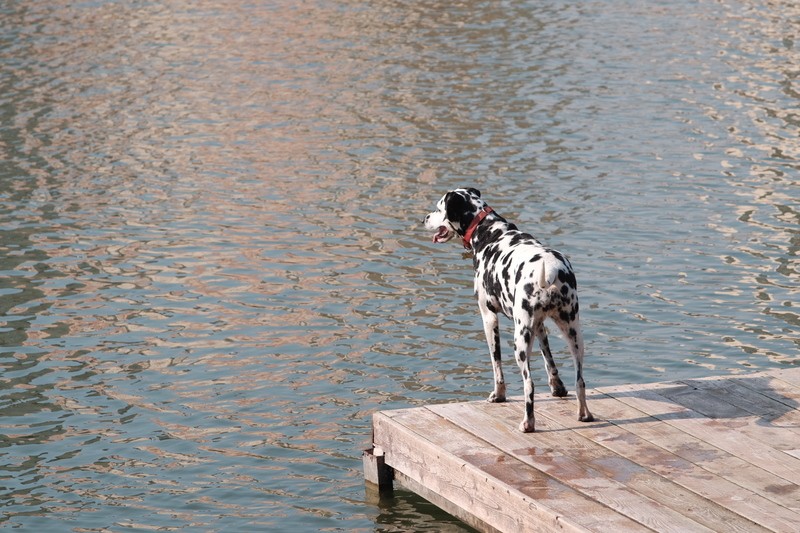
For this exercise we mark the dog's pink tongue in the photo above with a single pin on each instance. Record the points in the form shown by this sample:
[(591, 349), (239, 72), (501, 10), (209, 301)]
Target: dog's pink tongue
[(440, 234)]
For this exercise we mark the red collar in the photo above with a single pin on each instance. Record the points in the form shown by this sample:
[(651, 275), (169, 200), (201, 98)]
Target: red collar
[(475, 221)]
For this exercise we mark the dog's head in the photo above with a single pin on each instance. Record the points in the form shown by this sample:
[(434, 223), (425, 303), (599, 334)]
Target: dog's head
[(454, 213)]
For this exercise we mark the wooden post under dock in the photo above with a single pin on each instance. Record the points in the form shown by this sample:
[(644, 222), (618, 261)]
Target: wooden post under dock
[(717, 454)]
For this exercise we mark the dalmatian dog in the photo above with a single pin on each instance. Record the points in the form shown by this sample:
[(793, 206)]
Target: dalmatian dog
[(517, 276)]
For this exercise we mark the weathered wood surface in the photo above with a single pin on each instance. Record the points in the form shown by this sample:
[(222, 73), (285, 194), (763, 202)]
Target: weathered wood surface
[(719, 454)]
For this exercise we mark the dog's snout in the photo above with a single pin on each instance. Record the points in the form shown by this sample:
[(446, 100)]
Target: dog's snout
[(426, 218)]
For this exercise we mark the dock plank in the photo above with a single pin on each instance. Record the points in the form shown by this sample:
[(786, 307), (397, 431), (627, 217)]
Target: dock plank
[(773, 387), (733, 435), (756, 400), (732, 487), (502, 492), (725, 399), (585, 466), (716, 454), (789, 375)]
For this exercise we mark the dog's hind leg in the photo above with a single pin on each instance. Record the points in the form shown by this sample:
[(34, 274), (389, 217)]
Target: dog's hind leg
[(572, 333), (492, 330), (556, 385), (523, 342)]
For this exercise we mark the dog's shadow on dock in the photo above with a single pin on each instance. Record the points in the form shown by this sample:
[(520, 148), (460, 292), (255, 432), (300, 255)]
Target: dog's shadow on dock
[(760, 399)]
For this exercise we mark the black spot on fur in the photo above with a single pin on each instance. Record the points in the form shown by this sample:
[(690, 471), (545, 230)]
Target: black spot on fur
[(567, 277), (493, 286), (496, 351), (506, 274), (529, 288), (487, 234), (491, 253), (526, 306), (529, 405)]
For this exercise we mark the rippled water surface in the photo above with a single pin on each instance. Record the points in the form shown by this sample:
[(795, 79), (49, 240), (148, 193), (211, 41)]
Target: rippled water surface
[(212, 267)]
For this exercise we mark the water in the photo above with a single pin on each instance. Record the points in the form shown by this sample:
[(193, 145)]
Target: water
[(212, 264)]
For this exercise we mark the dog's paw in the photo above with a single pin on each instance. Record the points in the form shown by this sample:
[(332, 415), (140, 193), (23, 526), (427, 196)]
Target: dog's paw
[(586, 418), (496, 398), (559, 390), (527, 426)]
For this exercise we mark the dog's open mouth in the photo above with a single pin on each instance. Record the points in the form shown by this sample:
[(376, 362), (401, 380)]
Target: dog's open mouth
[(442, 235)]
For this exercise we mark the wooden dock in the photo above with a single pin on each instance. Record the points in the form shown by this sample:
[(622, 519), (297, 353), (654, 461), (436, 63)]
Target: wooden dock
[(720, 454)]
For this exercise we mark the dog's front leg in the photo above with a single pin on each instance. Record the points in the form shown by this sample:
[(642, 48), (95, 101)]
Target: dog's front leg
[(492, 330)]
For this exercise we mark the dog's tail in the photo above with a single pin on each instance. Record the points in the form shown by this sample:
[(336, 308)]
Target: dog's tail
[(547, 274)]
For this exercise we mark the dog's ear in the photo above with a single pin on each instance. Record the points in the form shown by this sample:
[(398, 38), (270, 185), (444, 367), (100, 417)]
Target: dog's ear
[(474, 191), (456, 208), (446, 199)]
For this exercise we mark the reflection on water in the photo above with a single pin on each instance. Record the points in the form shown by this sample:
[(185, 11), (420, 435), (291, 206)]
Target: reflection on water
[(212, 269)]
